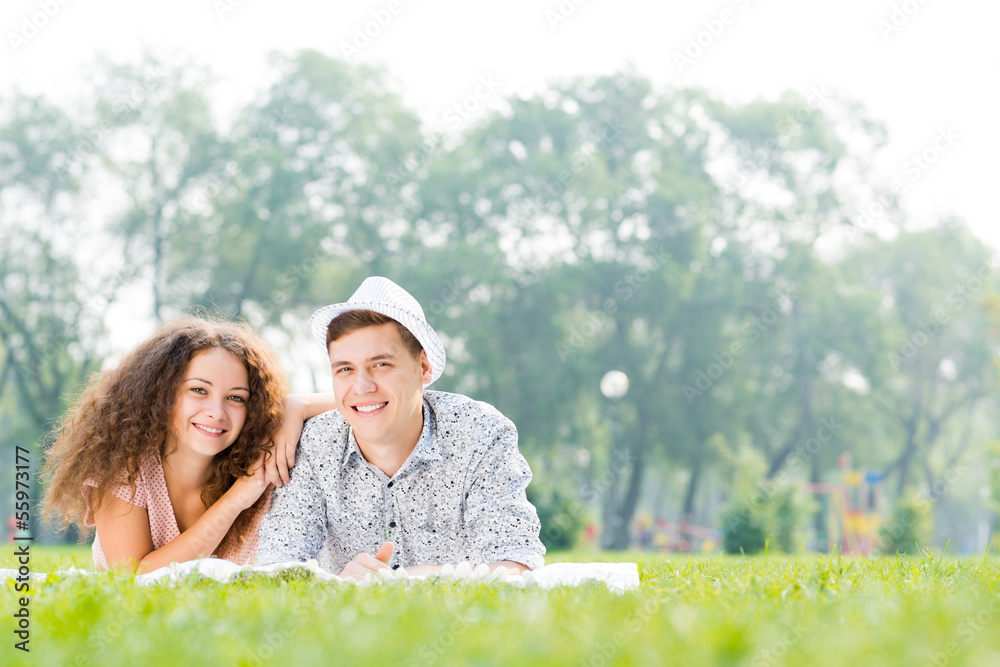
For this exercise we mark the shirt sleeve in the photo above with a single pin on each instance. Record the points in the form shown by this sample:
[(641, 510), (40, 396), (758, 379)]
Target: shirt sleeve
[(502, 524), (294, 529)]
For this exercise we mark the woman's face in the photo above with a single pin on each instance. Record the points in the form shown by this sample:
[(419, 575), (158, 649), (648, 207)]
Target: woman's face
[(210, 405)]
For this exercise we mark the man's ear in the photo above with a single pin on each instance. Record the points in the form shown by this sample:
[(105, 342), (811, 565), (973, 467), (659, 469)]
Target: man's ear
[(426, 372)]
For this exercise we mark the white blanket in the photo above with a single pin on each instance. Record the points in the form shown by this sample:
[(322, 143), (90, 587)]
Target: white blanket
[(618, 577)]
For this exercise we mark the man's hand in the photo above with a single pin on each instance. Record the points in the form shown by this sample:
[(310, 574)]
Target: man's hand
[(358, 568), (512, 567)]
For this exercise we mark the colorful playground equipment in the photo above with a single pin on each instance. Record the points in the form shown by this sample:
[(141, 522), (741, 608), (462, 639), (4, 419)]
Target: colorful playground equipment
[(854, 510)]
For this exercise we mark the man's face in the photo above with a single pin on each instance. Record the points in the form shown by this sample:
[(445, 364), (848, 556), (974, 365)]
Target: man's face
[(378, 386)]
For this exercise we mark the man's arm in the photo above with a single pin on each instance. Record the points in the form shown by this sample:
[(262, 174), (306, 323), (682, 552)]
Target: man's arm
[(502, 524), (294, 529)]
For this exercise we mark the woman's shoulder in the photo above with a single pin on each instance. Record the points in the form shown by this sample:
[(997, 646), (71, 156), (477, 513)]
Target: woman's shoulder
[(150, 468)]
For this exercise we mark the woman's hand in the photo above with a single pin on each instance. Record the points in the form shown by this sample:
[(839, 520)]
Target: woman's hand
[(298, 408), (247, 489), (284, 441)]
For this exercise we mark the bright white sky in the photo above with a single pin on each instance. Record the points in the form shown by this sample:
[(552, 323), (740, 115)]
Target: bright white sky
[(938, 70)]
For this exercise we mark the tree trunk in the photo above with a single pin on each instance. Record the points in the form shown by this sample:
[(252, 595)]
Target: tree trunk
[(696, 468), (622, 522), (908, 451)]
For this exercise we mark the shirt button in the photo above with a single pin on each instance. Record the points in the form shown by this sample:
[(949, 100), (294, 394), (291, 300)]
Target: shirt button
[(389, 485), (392, 524)]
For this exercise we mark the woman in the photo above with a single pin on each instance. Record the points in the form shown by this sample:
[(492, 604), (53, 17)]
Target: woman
[(164, 454)]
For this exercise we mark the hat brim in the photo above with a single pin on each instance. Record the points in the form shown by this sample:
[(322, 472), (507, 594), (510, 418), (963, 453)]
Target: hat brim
[(319, 322)]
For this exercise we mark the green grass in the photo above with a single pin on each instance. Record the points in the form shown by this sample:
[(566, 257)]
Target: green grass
[(699, 610)]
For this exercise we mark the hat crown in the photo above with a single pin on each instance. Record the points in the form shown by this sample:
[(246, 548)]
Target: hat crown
[(383, 296), (377, 288)]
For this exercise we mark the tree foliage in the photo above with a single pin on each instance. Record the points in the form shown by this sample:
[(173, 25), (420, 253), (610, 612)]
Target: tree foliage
[(709, 250)]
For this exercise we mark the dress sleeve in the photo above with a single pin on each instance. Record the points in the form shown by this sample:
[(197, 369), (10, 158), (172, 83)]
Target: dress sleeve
[(121, 490)]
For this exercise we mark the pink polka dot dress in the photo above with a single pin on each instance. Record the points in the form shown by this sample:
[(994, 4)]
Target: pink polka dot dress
[(151, 495)]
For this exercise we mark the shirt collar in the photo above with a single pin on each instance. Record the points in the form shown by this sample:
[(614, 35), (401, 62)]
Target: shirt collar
[(428, 447)]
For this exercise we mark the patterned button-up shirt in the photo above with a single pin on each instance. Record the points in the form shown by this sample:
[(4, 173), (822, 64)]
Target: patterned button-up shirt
[(459, 496)]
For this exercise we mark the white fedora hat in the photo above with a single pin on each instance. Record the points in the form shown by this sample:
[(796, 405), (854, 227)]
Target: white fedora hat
[(386, 297)]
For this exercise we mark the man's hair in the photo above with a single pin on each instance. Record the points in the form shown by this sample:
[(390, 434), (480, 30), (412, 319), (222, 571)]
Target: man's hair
[(353, 320)]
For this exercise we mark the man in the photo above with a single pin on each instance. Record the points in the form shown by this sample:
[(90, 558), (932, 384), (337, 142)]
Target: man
[(398, 475)]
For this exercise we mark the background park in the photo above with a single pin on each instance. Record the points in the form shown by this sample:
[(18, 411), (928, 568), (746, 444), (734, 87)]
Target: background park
[(741, 347)]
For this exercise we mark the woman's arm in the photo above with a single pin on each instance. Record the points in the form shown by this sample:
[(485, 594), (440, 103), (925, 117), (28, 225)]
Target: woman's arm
[(298, 408), (123, 529)]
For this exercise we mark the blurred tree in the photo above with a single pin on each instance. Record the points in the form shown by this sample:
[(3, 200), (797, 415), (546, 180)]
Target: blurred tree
[(935, 285), (699, 246), (302, 208), (51, 310)]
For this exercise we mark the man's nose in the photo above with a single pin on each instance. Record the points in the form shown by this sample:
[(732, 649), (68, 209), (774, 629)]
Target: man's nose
[(364, 382)]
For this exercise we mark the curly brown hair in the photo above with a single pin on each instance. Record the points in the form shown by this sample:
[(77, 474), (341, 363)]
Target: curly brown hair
[(126, 411)]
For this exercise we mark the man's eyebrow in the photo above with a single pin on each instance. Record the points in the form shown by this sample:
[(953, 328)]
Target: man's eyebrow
[(377, 357), (204, 381)]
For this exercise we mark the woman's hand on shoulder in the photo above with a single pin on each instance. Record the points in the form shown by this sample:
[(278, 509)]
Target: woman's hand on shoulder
[(284, 441)]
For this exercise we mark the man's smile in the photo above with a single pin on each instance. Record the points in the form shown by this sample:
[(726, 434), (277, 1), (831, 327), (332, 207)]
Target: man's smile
[(367, 409)]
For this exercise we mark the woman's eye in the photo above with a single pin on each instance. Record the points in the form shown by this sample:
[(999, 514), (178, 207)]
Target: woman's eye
[(198, 390), (238, 399)]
